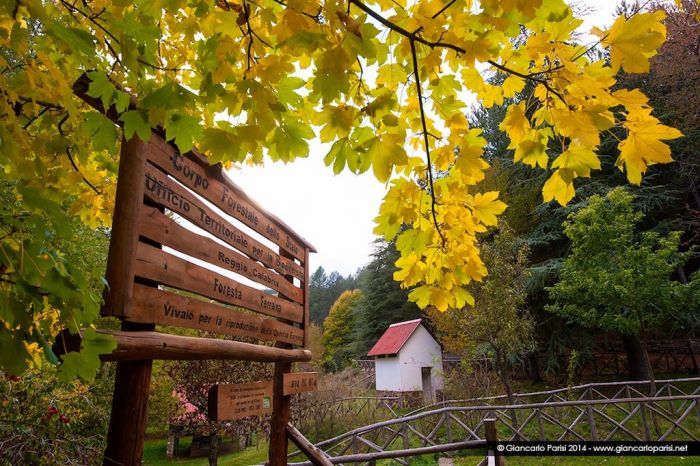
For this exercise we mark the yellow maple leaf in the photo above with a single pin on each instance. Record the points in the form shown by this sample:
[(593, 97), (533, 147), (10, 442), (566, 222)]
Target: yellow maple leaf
[(411, 269), (533, 149), (635, 40), (440, 298), (559, 186), (420, 296), (643, 146), (579, 159), (515, 123), (512, 85), (485, 207), (577, 125), (633, 98)]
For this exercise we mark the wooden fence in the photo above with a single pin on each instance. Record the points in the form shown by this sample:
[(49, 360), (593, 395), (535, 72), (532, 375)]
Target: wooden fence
[(598, 390), (613, 411)]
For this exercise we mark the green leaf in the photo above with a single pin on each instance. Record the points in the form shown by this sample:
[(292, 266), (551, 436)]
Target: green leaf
[(339, 155), (75, 39), (169, 96), (183, 129), (101, 131), (289, 141), (220, 144), (135, 123), (286, 88), (52, 209), (101, 88), (122, 101), (86, 362)]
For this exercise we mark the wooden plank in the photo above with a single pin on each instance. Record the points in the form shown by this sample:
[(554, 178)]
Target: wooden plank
[(172, 196), (299, 382), (124, 236), (161, 307), (196, 178), (164, 230), (137, 345), (235, 401), (167, 269), (312, 452)]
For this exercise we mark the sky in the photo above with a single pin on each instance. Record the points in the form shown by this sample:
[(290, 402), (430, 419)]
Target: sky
[(335, 212)]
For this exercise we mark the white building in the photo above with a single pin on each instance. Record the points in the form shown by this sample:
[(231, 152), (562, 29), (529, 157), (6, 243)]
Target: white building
[(408, 362)]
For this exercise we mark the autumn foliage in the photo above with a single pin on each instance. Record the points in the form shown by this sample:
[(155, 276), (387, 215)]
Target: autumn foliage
[(383, 82)]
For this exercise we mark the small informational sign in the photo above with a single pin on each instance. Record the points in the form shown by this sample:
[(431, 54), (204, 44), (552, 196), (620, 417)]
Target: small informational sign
[(299, 382), (236, 401)]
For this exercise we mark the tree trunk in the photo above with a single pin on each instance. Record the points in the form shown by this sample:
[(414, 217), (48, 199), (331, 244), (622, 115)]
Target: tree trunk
[(502, 371), (650, 369), (534, 367), (636, 357)]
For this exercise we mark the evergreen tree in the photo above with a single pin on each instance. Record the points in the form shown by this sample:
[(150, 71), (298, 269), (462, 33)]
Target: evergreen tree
[(384, 301), (324, 290)]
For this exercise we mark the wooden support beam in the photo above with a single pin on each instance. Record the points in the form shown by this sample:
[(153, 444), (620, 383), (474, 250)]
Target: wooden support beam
[(132, 346), (127, 423), (281, 403), (492, 437), (315, 455)]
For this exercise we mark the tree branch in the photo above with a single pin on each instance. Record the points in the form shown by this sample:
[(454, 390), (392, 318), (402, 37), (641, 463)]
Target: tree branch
[(414, 36), (425, 138)]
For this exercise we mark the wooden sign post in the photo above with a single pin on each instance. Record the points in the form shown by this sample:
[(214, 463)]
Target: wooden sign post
[(243, 271)]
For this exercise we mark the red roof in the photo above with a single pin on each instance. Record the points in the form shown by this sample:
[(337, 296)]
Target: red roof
[(394, 338)]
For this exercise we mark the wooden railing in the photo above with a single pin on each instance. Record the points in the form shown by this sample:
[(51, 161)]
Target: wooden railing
[(598, 390), (594, 413)]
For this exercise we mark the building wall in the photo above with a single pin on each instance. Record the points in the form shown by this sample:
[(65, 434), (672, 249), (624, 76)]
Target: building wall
[(421, 350), (387, 372)]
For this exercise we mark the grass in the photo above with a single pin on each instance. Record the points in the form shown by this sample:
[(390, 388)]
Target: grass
[(154, 455)]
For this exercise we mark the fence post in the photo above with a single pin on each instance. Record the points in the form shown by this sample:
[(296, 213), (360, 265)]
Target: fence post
[(591, 419), (645, 423), (540, 423), (492, 436)]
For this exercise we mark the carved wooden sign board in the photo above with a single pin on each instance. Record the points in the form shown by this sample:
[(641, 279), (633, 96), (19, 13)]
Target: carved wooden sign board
[(179, 185), (181, 225), (235, 401)]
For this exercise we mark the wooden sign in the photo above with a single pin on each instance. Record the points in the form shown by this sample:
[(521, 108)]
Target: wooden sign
[(230, 200), (155, 180), (152, 305), (236, 401), (164, 230), (167, 269), (174, 197), (299, 382)]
